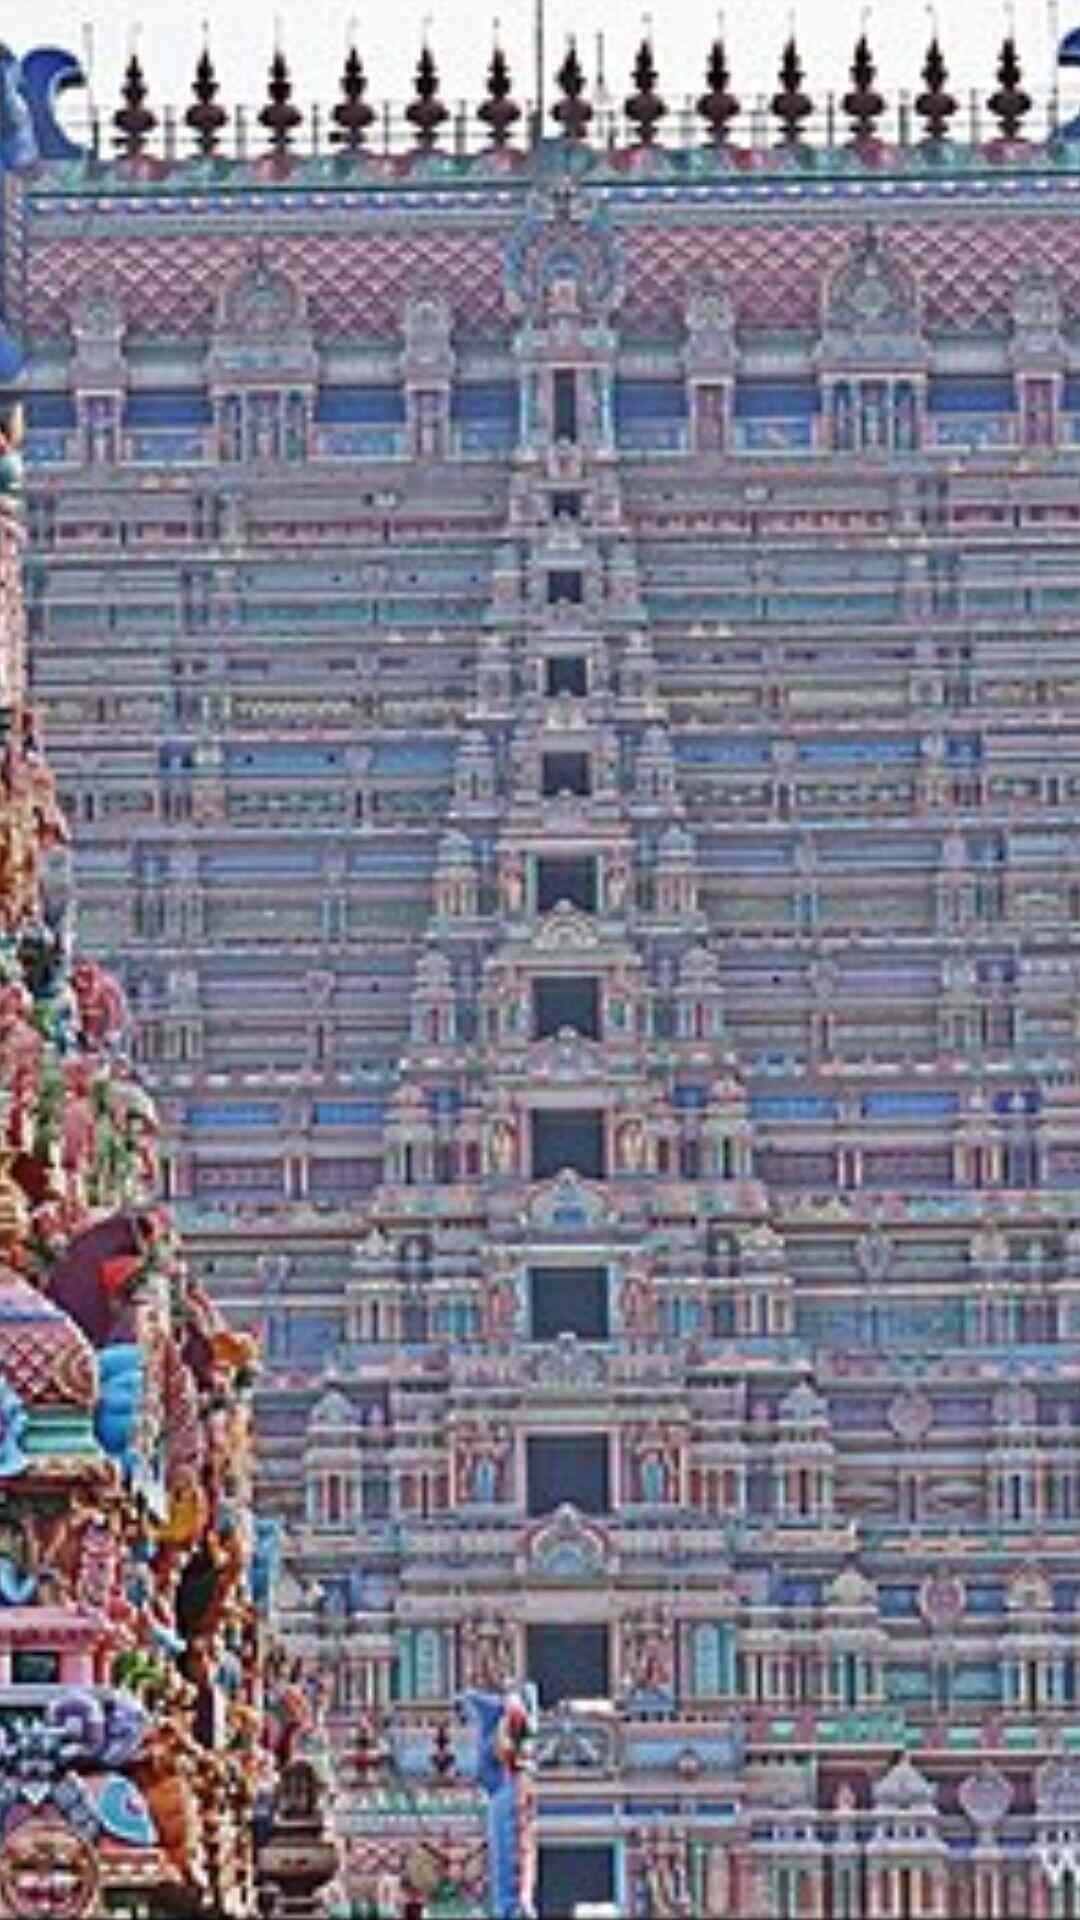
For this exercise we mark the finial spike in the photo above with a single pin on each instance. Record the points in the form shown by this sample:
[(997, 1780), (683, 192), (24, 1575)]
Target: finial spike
[(426, 111), (645, 109), (498, 111), (279, 116), (352, 115), (573, 112), (791, 105)]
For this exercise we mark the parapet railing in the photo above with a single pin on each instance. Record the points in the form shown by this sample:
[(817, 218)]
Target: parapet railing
[(754, 132)]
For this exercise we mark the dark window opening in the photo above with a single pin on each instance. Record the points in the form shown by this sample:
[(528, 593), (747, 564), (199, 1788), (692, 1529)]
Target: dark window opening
[(571, 1878), (567, 673), (564, 385), (568, 1469), (566, 773), (568, 1139), (569, 1300), (34, 1667), (568, 1663), (414, 1322), (559, 1003), (565, 584), (690, 1160), (375, 1497), (566, 506), (722, 1318), (566, 879)]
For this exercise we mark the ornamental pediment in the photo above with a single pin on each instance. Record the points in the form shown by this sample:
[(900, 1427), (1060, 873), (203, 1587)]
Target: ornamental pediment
[(569, 1742), (566, 1363), (710, 329), (567, 1546), (760, 1246), (427, 327), (566, 928), (567, 1057), (97, 329), (871, 311), (1057, 1789), (569, 1202), (563, 265), (262, 330), (1037, 317)]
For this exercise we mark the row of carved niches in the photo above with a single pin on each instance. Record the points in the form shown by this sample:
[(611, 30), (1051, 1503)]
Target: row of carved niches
[(355, 122), (564, 268), (870, 383)]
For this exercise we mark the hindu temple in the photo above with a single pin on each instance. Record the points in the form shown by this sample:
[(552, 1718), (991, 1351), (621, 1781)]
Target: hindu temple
[(558, 629)]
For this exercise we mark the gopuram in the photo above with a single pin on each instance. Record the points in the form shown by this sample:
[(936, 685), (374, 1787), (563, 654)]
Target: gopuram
[(562, 656)]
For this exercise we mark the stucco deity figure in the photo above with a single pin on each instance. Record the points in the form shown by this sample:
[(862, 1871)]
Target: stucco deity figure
[(513, 882), (618, 883), (631, 1146), (503, 1146)]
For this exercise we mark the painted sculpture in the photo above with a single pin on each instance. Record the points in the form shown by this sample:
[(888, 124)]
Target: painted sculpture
[(140, 1719), (505, 1726)]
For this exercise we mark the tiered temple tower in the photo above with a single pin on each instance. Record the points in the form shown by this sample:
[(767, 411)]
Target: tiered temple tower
[(568, 1196)]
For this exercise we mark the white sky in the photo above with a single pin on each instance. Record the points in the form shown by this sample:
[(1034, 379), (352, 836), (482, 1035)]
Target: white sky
[(314, 35)]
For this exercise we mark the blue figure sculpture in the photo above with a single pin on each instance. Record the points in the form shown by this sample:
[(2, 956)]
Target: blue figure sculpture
[(29, 133), (265, 1561), (29, 91), (116, 1420), (13, 1422), (484, 1479), (505, 1725), (1069, 56)]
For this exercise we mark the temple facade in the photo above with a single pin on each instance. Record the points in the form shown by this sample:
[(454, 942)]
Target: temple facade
[(565, 664)]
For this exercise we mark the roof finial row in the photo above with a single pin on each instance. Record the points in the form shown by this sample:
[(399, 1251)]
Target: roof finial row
[(573, 112)]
